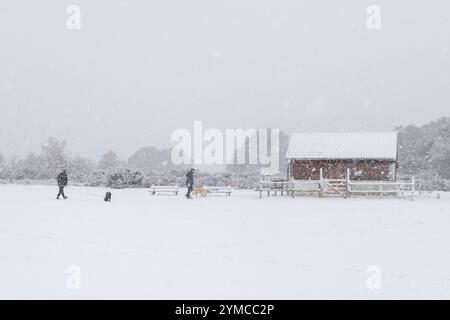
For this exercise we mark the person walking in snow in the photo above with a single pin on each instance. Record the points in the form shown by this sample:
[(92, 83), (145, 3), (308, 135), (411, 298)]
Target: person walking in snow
[(62, 183), (190, 182)]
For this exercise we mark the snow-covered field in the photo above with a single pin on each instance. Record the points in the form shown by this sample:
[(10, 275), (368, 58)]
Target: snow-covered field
[(163, 247)]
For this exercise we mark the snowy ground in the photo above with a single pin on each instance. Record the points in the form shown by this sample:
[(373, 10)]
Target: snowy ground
[(140, 246)]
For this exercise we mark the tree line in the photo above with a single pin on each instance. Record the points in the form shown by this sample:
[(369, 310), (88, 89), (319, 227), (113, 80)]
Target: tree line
[(424, 152)]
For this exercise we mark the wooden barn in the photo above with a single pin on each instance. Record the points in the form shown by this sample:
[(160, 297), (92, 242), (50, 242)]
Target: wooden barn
[(355, 156)]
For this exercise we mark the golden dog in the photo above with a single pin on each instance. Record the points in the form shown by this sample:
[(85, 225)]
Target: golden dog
[(202, 192)]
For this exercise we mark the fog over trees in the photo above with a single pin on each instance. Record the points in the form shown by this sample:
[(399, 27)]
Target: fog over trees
[(424, 152)]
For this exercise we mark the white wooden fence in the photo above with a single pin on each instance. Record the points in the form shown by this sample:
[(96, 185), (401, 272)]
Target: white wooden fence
[(338, 188)]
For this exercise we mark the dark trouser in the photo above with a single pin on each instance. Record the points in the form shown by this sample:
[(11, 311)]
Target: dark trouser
[(61, 192), (188, 194)]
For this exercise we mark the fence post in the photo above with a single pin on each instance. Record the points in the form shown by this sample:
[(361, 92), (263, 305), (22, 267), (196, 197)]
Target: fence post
[(321, 183), (292, 187), (420, 188), (348, 184)]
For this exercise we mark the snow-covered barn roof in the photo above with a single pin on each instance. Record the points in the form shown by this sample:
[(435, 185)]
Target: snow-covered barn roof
[(349, 145)]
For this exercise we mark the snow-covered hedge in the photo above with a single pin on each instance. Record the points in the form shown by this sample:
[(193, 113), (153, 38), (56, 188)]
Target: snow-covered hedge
[(124, 178)]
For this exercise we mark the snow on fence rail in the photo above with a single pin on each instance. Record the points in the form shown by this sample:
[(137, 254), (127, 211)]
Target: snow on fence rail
[(396, 188)]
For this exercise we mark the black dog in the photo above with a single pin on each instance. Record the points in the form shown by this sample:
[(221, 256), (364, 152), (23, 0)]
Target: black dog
[(108, 197)]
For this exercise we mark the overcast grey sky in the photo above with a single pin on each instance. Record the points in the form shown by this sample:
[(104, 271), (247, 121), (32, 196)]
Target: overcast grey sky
[(137, 70)]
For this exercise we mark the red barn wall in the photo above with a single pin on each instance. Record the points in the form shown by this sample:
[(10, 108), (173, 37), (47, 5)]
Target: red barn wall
[(337, 169)]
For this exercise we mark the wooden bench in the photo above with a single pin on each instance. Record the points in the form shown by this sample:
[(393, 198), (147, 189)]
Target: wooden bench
[(219, 190), (154, 190)]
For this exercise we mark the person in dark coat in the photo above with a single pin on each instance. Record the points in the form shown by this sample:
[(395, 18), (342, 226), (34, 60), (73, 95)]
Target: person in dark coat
[(190, 182), (108, 196), (62, 183)]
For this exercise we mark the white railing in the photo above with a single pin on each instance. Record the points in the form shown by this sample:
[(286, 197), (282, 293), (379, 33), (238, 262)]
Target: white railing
[(381, 187), (338, 187), (273, 186), (397, 188)]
